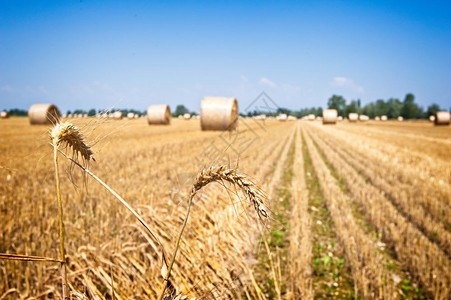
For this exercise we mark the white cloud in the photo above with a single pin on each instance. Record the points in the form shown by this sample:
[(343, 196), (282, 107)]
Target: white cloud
[(6, 88), (266, 81), (42, 90), (344, 82)]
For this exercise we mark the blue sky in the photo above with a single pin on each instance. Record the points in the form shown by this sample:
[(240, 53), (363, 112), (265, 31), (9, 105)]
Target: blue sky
[(130, 54)]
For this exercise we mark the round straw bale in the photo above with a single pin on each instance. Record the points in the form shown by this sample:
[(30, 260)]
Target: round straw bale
[(4, 115), (384, 118), (218, 113), (353, 117), (432, 118), (377, 118), (43, 113), (282, 117), (400, 119), (187, 116), (117, 115), (330, 116), (130, 115), (311, 117), (442, 118), (259, 117), (159, 114), (363, 118)]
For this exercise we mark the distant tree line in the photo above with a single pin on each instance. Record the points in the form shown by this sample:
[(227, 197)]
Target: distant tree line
[(180, 110), (92, 112), (392, 107), (317, 111), (18, 112)]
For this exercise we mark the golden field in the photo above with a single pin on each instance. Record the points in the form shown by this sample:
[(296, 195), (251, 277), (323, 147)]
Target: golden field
[(357, 210)]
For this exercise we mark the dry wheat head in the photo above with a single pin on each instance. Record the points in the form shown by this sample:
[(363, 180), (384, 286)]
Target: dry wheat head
[(222, 173), (68, 135)]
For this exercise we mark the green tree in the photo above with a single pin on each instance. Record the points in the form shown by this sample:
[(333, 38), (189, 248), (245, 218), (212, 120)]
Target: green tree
[(18, 112), (393, 108), (369, 110), (338, 103), (353, 107), (92, 112), (432, 109), (410, 110), (180, 110), (380, 108)]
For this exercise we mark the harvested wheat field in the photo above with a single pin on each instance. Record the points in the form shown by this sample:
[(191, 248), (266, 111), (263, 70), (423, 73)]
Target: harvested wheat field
[(277, 210)]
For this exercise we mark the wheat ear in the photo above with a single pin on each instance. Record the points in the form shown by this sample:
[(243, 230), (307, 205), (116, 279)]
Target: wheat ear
[(218, 174), (65, 133)]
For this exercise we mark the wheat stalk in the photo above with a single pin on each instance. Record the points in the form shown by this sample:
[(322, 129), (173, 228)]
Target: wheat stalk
[(66, 134), (24, 257), (218, 174)]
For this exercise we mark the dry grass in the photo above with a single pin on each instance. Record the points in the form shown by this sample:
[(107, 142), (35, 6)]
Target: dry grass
[(380, 169), (423, 259), (102, 242), (300, 249)]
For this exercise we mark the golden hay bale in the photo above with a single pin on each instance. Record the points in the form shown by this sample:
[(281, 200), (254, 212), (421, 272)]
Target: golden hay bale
[(432, 118), (339, 118), (187, 116), (130, 115), (218, 113), (442, 118), (400, 119), (117, 115), (282, 117), (259, 117), (353, 117), (159, 114), (364, 118), (4, 115), (43, 113), (377, 118), (384, 118), (330, 116), (311, 117)]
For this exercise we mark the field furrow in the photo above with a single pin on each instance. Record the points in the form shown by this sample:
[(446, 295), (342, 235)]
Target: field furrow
[(424, 259), (431, 218), (361, 251), (330, 277), (300, 236), (400, 180)]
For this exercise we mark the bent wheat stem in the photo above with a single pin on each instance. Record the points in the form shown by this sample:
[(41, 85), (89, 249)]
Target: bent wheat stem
[(123, 202), (60, 223), (218, 174)]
